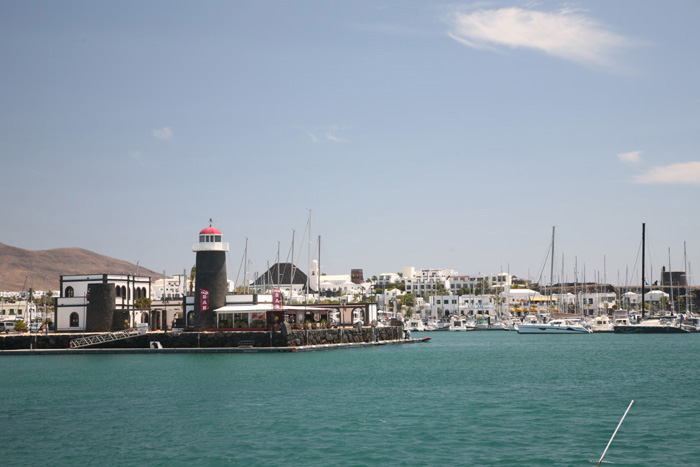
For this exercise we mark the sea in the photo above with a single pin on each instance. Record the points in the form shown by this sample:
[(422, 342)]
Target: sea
[(464, 398)]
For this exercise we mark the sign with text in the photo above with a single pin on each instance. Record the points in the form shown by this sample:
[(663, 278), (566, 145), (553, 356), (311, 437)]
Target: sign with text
[(204, 300), (277, 299)]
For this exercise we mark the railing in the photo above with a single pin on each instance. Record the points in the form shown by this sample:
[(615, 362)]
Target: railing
[(110, 337)]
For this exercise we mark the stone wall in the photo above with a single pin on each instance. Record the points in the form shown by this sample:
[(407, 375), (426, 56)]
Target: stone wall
[(212, 339)]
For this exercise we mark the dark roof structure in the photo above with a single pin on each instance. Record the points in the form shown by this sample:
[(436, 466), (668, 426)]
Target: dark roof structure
[(280, 274)]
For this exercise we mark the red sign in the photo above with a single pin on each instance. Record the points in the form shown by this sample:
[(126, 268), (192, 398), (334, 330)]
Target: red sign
[(203, 300), (276, 299)]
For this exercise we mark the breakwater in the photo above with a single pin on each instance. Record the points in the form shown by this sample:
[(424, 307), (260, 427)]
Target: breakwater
[(218, 339)]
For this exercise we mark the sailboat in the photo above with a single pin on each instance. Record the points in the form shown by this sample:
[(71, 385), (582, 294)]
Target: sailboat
[(555, 326), (649, 325)]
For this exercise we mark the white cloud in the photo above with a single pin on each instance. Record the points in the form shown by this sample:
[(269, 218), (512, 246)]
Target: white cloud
[(164, 134), (629, 157), (331, 137), (567, 34), (682, 172), (328, 135)]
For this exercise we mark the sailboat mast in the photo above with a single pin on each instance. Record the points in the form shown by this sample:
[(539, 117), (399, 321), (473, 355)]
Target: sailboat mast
[(319, 269), (551, 276), (245, 266), (291, 275), (670, 279), (687, 282), (643, 265)]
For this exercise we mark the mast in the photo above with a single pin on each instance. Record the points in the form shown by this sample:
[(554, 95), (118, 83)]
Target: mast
[(291, 276), (643, 265), (687, 282), (551, 277), (670, 279), (245, 267), (319, 269)]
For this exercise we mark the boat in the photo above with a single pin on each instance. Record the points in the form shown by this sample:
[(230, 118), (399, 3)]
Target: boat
[(691, 324), (461, 325), (651, 325), (602, 324), (555, 326), (415, 324)]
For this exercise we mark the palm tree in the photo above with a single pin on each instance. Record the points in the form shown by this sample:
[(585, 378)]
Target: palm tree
[(193, 274)]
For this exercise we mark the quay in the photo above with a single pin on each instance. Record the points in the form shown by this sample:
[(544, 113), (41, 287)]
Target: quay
[(288, 340), (207, 350)]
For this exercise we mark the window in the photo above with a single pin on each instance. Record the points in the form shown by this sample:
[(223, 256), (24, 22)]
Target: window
[(144, 317), (74, 319), (218, 238), (119, 291), (69, 291)]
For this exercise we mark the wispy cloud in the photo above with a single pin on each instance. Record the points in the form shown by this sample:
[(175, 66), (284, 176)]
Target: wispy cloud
[(328, 135), (568, 34), (138, 156), (164, 134), (682, 172), (630, 157)]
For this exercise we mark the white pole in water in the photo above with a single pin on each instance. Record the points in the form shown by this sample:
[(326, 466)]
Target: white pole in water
[(618, 427)]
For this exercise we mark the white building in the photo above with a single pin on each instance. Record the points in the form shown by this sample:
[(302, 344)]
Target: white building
[(427, 280), (72, 305), (476, 283), (19, 309), (441, 306), (387, 278), (170, 288)]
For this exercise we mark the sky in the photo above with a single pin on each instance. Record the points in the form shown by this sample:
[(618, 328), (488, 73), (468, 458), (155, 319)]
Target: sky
[(405, 133)]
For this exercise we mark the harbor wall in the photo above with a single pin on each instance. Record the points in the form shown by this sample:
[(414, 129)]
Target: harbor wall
[(294, 338)]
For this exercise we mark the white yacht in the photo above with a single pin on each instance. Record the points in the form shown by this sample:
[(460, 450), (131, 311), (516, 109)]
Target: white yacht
[(602, 324), (555, 326), (415, 324), (461, 325)]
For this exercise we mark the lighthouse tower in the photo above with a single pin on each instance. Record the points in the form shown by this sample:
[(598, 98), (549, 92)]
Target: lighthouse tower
[(210, 276)]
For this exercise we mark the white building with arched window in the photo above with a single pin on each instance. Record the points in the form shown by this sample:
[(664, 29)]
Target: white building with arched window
[(71, 306)]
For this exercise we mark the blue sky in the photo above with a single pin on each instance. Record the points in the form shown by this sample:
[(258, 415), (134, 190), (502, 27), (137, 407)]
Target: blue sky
[(426, 134)]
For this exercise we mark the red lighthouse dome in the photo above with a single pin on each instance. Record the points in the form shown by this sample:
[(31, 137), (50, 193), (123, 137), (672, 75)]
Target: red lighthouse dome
[(210, 231)]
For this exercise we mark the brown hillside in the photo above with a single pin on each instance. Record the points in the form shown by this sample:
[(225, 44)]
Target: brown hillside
[(17, 264)]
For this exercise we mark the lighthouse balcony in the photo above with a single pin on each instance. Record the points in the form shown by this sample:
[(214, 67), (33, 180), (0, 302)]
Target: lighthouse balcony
[(210, 246)]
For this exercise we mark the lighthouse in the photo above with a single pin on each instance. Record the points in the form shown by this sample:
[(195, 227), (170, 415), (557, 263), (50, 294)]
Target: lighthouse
[(210, 276)]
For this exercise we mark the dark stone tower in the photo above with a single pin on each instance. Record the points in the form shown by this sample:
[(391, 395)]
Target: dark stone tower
[(101, 313), (210, 277)]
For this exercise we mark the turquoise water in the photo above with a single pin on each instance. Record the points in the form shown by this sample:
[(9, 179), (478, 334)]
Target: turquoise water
[(475, 398)]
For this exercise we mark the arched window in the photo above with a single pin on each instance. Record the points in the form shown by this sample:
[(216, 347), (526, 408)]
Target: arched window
[(69, 291), (143, 292), (128, 293), (144, 317), (190, 318), (137, 293), (74, 319), (119, 291), (123, 291)]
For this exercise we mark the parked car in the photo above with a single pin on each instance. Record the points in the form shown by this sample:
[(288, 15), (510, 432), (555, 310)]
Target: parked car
[(7, 326)]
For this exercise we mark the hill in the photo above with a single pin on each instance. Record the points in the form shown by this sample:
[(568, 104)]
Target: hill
[(18, 265)]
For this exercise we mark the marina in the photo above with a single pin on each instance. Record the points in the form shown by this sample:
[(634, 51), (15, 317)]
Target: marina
[(476, 398)]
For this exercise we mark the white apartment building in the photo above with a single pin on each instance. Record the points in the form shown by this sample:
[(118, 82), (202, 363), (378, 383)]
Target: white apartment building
[(426, 280), (502, 281), (441, 306), (170, 288), (386, 278)]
